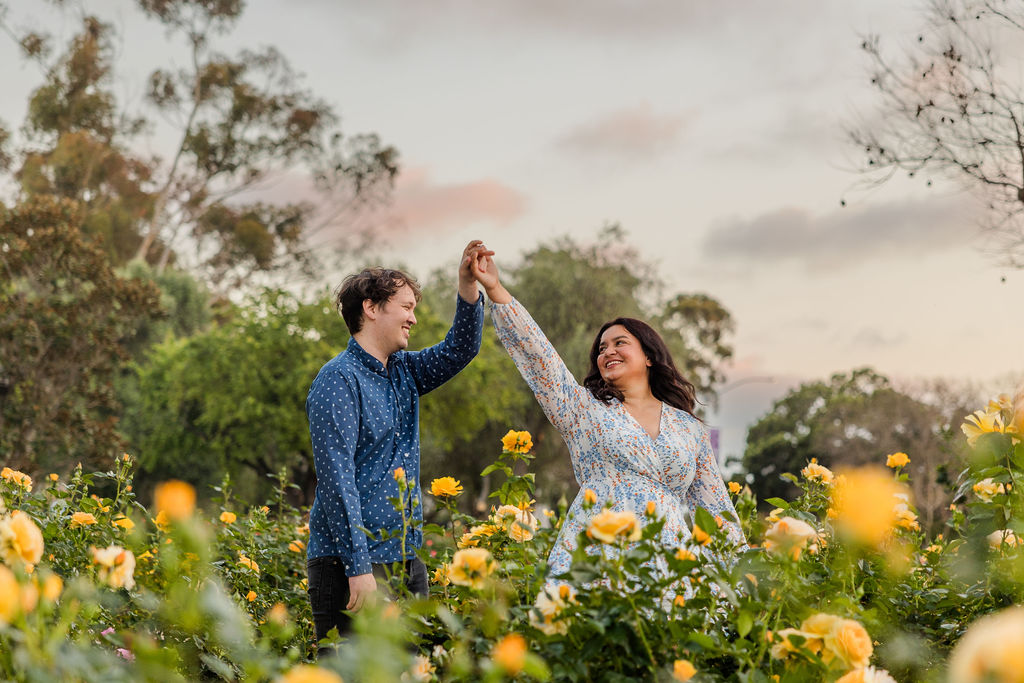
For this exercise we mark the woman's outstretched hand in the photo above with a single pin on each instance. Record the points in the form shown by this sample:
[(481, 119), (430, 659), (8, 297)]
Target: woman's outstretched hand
[(486, 273)]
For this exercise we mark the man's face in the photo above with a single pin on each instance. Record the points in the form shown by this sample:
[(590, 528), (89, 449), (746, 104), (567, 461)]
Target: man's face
[(394, 320)]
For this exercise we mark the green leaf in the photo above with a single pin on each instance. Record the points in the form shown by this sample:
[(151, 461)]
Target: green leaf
[(777, 502), (744, 622)]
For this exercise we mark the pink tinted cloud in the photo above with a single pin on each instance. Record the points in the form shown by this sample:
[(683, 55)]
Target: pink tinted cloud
[(635, 132), (421, 204)]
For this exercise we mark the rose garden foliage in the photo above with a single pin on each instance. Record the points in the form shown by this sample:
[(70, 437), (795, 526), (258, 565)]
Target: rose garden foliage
[(838, 584)]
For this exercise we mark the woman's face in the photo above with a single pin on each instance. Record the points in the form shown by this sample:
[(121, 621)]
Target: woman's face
[(620, 357)]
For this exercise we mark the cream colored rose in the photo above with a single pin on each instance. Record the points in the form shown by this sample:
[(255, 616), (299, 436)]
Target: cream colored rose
[(550, 603), (992, 649), (789, 535), (1001, 537), (986, 489), (868, 674), (116, 566), (471, 567)]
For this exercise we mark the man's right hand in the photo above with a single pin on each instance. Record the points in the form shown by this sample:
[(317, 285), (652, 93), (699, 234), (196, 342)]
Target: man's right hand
[(360, 589)]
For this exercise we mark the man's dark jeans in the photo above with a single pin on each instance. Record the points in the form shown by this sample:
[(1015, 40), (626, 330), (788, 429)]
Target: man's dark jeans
[(329, 594)]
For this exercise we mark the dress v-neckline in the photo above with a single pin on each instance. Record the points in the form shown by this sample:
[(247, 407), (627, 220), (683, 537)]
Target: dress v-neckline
[(661, 422)]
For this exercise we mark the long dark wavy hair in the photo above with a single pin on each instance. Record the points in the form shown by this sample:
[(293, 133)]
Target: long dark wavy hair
[(667, 384)]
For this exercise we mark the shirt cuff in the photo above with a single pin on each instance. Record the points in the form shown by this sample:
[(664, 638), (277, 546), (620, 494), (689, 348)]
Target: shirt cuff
[(462, 302), (358, 565)]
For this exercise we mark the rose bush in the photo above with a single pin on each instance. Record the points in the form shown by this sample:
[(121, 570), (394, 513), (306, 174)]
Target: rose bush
[(839, 584)]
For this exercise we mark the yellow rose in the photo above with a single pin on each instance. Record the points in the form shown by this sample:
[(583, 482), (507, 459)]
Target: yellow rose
[(20, 539), (250, 596), (309, 673), (701, 536), (608, 526), (988, 488), (906, 518), (53, 476), (297, 546), (517, 442), (863, 501), (399, 474), (124, 523), (589, 497), (441, 575), (895, 460), (679, 601), (992, 649), (82, 519), (228, 517), (10, 596), (784, 647), (684, 554), (471, 567), (816, 472), (445, 486), (1017, 422), (850, 642), (984, 422), (422, 669), (467, 540), (161, 520), (53, 585), (549, 605), (868, 674), (789, 535), (683, 670), (734, 487), (248, 563), (519, 532), (17, 478), (774, 515), (176, 498), (510, 653), (117, 566)]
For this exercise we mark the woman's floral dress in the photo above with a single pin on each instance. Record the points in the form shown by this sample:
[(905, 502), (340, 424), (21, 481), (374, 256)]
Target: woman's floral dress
[(611, 453)]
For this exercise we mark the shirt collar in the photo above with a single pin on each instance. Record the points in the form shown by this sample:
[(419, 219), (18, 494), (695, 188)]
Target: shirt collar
[(366, 358)]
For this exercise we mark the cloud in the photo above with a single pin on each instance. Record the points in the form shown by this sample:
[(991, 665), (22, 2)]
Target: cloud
[(844, 237), (637, 132), (423, 205)]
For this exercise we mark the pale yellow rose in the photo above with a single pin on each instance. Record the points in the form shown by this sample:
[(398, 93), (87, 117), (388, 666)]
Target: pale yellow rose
[(20, 539), (906, 518), (82, 519), (471, 567), (992, 649), (116, 566), (441, 575), (784, 647), (510, 653), (508, 516), (608, 526), (868, 674), (789, 536), (1003, 537), (850, 642), (518, 532), (985, 422), (309, 673), (124, 523), (17, 478), (815, 472), (988, 488), (422, 669), (550, 603)]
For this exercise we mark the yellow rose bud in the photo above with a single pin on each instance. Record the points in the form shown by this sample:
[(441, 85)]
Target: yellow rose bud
[(176, 498), (250, 596), (510, 653), (309, 673), (897, 460), (683, 670)]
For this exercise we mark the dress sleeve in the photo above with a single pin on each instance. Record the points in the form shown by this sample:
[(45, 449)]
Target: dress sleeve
[(333, 411), (559, 394), (708, 491)]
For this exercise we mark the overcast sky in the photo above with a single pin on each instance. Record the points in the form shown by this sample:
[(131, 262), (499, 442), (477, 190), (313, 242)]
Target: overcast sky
[(713, 132)]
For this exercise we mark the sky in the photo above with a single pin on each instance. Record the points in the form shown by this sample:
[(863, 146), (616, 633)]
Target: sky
[(714, 133)]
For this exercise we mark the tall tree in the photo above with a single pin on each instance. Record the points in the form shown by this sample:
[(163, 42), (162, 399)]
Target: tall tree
[(857, 419), (952, 106), (65, 320), (238, 121)]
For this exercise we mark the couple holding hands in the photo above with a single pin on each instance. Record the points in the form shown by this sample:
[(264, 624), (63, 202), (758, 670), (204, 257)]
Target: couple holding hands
[(629, 426)]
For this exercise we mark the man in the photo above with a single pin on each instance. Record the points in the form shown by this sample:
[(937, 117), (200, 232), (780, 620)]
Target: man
[(363, 410)]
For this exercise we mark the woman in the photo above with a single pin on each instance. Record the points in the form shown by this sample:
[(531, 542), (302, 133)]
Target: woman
[(630, 428)]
